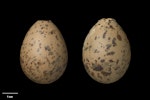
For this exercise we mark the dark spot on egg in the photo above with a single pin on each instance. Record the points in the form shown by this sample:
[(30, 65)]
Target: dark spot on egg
[(108, 79), (86, 48), (103, 60), (21, 60), (111, 27), (119, 37), (95, 37), (39, 63), (99, 76), (104, 34), (87, 59), (108, 46), (114, 41), (56, 37), (96, 61), (98, 68), (58, 45), (46, 25), (117, 61), (41, 32), (90, 46), (92, 73), (96, 51), (43, 63), (52, 32), (111, 61), (116, 68), (48, 61), (47, 48), (105, 73), (111, 53), (42, 28)]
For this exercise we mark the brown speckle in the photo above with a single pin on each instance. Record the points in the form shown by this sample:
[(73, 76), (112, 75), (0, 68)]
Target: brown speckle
[(53, 57), (90, 46), (42, 32), (86, 48), (117, 61), (31, 44), (87, 59), (50, 53), (111, 60), (111, 53), (119, 37), (48, 60), (37, 67), (96, 51), (92, 73), (99, 58), (108, 46), (103, 60), (52, 32), (95, 37), (98, 75), (98, 68), (47, 48), (111, 27), (46, 25), (109, 21), (117, 68), (105, 73), (108, 79), (39, 63), (45, 73), (93, 64), (21, 60), (56, 37), (108, 38), (39, 45), (104, 35), (114, 41), (42, 28), (86, 66), (58, 45)]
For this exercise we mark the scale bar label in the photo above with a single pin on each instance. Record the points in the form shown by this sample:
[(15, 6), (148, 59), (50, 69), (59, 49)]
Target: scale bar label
[(9, 92)]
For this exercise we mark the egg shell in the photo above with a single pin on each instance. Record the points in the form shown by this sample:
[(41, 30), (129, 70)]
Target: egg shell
[(43, 54), (106, 51)]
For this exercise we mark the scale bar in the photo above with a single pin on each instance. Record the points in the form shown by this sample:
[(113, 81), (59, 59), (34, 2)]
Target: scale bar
[(9, 92)]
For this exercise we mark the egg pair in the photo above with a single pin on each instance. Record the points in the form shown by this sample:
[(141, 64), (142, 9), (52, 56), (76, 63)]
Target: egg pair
[(105, 54)]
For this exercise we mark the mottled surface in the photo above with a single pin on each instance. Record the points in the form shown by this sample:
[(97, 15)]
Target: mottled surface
[(43, 54), (106, 51)]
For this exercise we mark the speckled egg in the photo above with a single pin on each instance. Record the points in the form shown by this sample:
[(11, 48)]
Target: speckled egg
[(106, 51), (43, 54)]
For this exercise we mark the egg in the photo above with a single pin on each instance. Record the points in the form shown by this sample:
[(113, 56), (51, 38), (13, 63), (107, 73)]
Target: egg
[(106, 51), (43, 54)]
